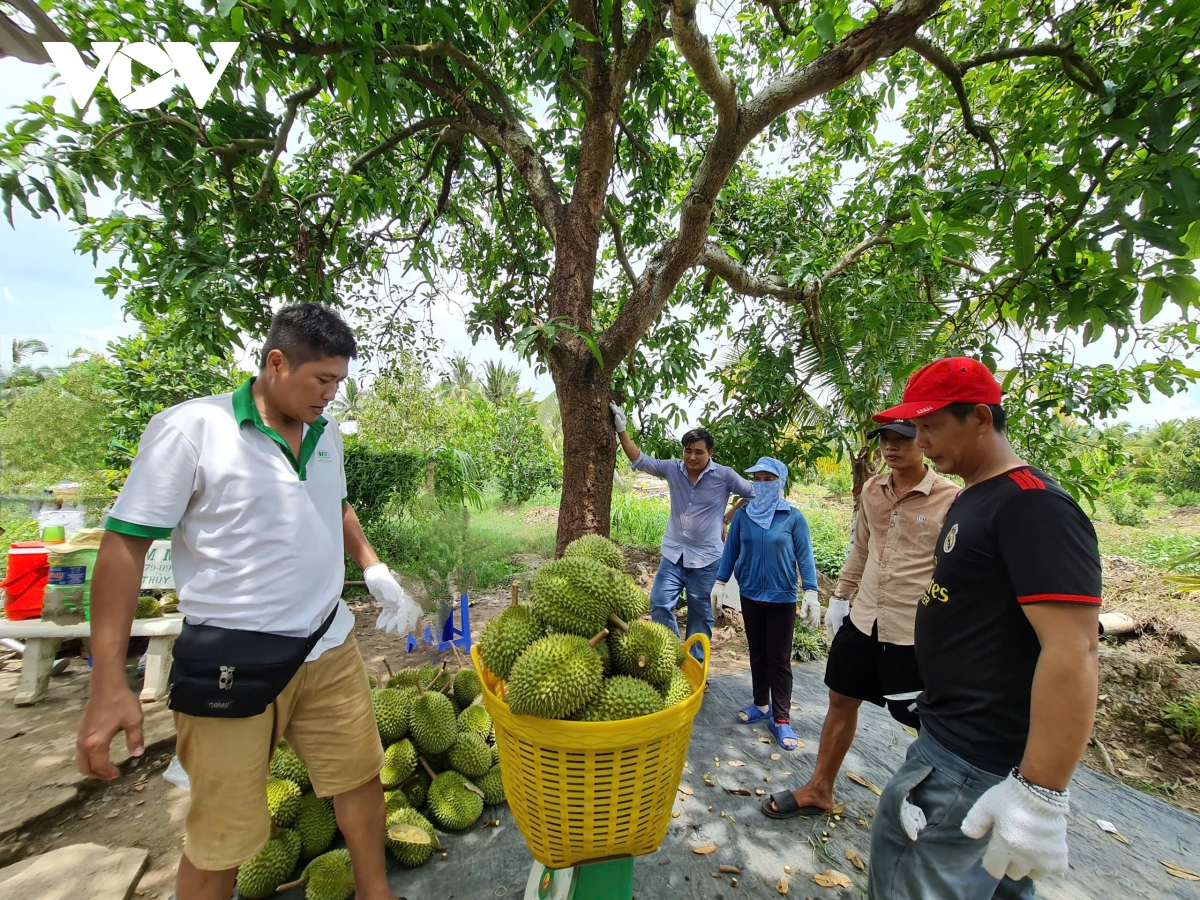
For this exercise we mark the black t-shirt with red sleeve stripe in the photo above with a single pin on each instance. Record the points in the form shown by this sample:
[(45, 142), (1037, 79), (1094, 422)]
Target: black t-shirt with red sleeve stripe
[(1015, 539)]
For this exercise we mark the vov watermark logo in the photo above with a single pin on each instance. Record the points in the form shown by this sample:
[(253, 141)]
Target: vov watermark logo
[(174, 60)]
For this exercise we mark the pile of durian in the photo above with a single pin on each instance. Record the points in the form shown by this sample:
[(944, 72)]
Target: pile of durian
[(580, 650)]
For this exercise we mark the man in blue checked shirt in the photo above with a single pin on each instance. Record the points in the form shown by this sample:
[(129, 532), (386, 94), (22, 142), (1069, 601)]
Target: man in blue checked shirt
[(695, 539)]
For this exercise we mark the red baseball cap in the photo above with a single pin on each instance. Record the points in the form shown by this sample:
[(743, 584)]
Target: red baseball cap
[(957, 379)]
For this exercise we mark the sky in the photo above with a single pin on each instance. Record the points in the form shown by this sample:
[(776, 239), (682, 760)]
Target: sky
[(48, 291)]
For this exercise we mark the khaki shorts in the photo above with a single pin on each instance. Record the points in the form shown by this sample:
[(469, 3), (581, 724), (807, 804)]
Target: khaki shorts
[(326, 715)]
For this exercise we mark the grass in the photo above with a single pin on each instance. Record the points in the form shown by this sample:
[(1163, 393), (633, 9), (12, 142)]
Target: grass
[(808, 643), (639, 521), (1184, 716)]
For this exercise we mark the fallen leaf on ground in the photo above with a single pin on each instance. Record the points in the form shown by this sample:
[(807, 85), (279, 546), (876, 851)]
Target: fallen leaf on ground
[(729, 870), (705, 850), (853, 856), (1180, 871), (832, 878), (683, 788), (759, 791), (858, 779), (675, 815), (837, 810), (736, 763), (709, 781), (782, 887), (764, 739), (775, 756), (912, 731), (1110, 828)]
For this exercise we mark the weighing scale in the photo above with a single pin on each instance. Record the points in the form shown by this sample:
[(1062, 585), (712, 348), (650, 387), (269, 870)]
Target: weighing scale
[(611, 880)]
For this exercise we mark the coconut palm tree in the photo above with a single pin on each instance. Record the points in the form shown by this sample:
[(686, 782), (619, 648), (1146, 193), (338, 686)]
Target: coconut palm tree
[(458, 381), (500, 383), (23, 373), (346, 406)]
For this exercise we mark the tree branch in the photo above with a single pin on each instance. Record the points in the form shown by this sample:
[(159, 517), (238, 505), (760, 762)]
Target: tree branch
[(650, 30), (741, 279), (619, 243), (1064, 52), (294, 102), (402, 135), (698, 52), (953, 73)]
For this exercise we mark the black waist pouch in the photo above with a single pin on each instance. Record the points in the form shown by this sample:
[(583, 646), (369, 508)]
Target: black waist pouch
[(225, 673)]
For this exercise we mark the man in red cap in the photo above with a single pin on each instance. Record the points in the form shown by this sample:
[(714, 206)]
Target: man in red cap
[(1006, 643)]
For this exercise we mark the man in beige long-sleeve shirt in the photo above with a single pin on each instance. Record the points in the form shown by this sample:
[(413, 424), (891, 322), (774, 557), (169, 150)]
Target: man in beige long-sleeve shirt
[(871, 657)]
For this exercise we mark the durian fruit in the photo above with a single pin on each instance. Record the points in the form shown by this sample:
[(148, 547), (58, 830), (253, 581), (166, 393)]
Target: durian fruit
[(405, 842), (441, 679), (507, 636), (283, 801), (169, 602), (392, 709), (371, 682), (147, 608), (631, 602), (680, 655), (439, 762), (470, 755), (677, 689), (495, 754), (646, 651), (454, 802), (466, 687), (599, 549), (287, 765), (556, 676), (399, 762), (412, 677), (328, 877), (566, 606), (492, 787), (605, 654), (476, 720), (394, 800), (259, 876), (316, 825), (623, 697), (433, 723), (605, 586), (416, 789)]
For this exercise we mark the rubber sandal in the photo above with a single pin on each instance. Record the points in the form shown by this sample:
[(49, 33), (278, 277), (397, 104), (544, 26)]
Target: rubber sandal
[(753, 714), (783, 731), (786, 808)]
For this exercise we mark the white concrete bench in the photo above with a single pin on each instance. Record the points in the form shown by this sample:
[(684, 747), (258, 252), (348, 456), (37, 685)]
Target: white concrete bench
[(42, 640)]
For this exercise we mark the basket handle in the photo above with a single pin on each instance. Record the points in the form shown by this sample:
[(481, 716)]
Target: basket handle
[(701, 639)]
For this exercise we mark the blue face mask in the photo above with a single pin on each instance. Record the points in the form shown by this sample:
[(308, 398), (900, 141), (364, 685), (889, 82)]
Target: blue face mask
[(768, 497)]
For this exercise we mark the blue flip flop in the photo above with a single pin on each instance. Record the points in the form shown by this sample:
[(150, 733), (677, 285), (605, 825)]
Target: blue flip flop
[(783, 731), (752, 714)]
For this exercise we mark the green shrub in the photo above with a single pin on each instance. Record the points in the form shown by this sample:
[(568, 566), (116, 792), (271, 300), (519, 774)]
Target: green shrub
[(808, 643), (638, 522), (1178, 468), (379, 480), (1124, 510), (1184, 716), (1185, 498), (1142, 495), (830, 542), (841, 481)]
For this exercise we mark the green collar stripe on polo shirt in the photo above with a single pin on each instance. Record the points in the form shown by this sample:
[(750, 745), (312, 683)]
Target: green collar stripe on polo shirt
[(246, 410)]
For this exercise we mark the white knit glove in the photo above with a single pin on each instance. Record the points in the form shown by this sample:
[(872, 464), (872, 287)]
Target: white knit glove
[(619, 421), (400, 612), (1029, 832), (810, 610), (717, 597), (836, 615)]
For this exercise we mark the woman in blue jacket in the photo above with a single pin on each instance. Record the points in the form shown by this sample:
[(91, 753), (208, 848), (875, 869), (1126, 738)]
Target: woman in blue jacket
[(770, 551)]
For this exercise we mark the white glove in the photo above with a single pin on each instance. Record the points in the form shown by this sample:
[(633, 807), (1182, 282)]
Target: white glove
[(717, 597), (836, 615), (912, 819), (400, 612), (619, 421), (810, 610), (1029, 832)]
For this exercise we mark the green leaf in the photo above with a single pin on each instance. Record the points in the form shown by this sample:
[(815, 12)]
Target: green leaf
[(824, 26), (224, 6), (1184, 290), (1154, 295), (237, 20), (1023, 239), (918, 214)]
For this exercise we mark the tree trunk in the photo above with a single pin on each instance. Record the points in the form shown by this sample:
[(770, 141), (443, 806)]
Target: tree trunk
[(862, 467), (589, 448)]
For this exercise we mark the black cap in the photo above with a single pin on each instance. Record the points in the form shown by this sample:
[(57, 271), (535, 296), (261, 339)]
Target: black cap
[(903, 427)]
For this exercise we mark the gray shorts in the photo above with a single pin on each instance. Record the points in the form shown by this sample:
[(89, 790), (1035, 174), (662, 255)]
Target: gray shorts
[(942, 862)]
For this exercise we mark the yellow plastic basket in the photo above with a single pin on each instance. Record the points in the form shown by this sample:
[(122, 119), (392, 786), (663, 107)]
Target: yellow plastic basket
[(587, 791)]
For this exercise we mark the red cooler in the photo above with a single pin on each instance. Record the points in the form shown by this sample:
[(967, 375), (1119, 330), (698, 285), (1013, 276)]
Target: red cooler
[(25, 584)]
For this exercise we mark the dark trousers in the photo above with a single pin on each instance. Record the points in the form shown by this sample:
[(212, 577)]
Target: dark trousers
[(769, 628)]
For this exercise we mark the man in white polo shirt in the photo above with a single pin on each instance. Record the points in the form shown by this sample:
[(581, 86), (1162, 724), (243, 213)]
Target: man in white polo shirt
[(251, 488)]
